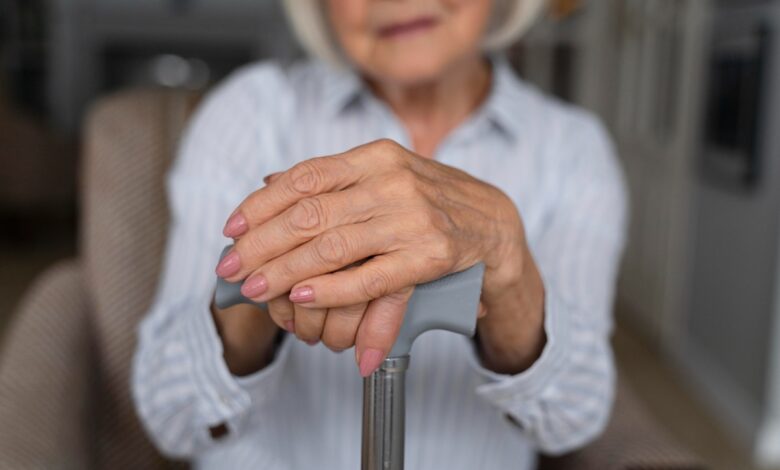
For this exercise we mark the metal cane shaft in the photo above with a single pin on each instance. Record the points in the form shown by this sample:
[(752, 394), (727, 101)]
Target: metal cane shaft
[(384, 415)]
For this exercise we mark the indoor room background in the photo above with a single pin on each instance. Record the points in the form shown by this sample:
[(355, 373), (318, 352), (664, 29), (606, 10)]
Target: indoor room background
[(689, 90)]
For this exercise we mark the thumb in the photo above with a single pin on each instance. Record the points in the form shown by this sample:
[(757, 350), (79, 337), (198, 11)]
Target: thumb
[(481, 310), (379, 329), (270, 177)]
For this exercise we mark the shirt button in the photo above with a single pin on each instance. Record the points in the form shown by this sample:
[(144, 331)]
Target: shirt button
[(219, 431)]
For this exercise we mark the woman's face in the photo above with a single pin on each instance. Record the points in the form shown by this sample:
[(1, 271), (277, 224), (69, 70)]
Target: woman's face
[(408, 41)]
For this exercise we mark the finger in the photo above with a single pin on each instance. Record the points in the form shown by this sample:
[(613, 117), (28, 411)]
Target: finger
[(481, 310), (267, 179), (282, 312), (298, 224), (304, 179), (315, 321), (379, 329), (377, 277), (328, 252), (311, 177), (341, 326), (309, 323)]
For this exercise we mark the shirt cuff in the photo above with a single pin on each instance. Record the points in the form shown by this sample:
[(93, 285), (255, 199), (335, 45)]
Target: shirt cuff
[(222, 398), (508, 391)]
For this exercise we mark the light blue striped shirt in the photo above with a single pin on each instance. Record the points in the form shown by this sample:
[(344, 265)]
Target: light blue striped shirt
[(303, 411)]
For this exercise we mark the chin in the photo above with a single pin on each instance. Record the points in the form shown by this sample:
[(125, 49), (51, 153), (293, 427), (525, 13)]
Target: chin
[(409, 70)]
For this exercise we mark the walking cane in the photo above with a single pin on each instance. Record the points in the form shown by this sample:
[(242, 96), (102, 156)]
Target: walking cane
[(449, 303)]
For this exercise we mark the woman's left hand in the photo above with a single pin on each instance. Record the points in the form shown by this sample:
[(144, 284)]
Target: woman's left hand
[(414, 218)]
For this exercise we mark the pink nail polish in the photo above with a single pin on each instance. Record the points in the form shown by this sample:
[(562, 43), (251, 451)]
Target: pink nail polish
[(254, 286), (229, 265), (370, 361), (235, 226), (312, 342), (289, 325), (302, 294)]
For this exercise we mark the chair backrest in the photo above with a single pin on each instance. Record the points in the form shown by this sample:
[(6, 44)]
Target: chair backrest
[(130, 140)]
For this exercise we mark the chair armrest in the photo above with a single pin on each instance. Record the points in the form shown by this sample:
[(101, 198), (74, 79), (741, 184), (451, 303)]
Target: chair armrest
[(45, 376), (632, 440)]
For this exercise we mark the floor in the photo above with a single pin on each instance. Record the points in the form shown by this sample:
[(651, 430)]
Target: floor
[(653, 379), (672, 404)]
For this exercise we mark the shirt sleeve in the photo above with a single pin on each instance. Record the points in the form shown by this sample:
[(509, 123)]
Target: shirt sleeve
[(564, 399), (181, 384)]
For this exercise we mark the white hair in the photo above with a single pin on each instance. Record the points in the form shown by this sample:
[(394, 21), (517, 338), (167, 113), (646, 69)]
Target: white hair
[(511, 19)]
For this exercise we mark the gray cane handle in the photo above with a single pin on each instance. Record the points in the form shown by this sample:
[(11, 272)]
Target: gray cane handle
[(448, 303)]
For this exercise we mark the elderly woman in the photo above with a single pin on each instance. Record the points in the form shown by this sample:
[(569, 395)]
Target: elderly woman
[(431, 156)]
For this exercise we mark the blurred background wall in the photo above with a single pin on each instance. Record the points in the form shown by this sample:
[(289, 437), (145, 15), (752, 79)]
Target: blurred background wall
[(690, 90)]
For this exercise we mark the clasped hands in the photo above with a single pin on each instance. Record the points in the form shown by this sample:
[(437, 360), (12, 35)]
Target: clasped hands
[(336, 244)]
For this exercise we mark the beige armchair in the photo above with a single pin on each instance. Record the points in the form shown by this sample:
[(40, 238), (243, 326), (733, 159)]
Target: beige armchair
[(64, 365)]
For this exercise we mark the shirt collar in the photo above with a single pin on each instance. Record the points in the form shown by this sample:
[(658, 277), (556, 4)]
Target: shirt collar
[(342, 86), (506, 100), (503, 106)]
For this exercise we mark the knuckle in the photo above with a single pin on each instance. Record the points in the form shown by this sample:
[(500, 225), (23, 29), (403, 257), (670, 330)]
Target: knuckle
[(399, 297), (338, 342), (386, 144), (356, 310), (441, 247), (306, 331), (427, 222), (277, 311), (440, 222), (376, 283), (306, 177), (405, 183), (333, 248), (389, 150), (307, 214), (279, 320), (250, 246), (284, 270), (443, 253)]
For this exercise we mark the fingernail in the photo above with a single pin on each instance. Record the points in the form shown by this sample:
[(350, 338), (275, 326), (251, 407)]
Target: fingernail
[(254, 286), (370, 361), (235, 226), (289, 325), (302, 294), (270, 176), (229, 265), (312, 342)]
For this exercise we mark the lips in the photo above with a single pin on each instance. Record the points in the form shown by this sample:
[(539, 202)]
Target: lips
[(403, 28)]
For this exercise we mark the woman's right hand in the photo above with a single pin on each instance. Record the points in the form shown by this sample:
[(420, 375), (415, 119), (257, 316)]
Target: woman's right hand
[(248, 332)]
